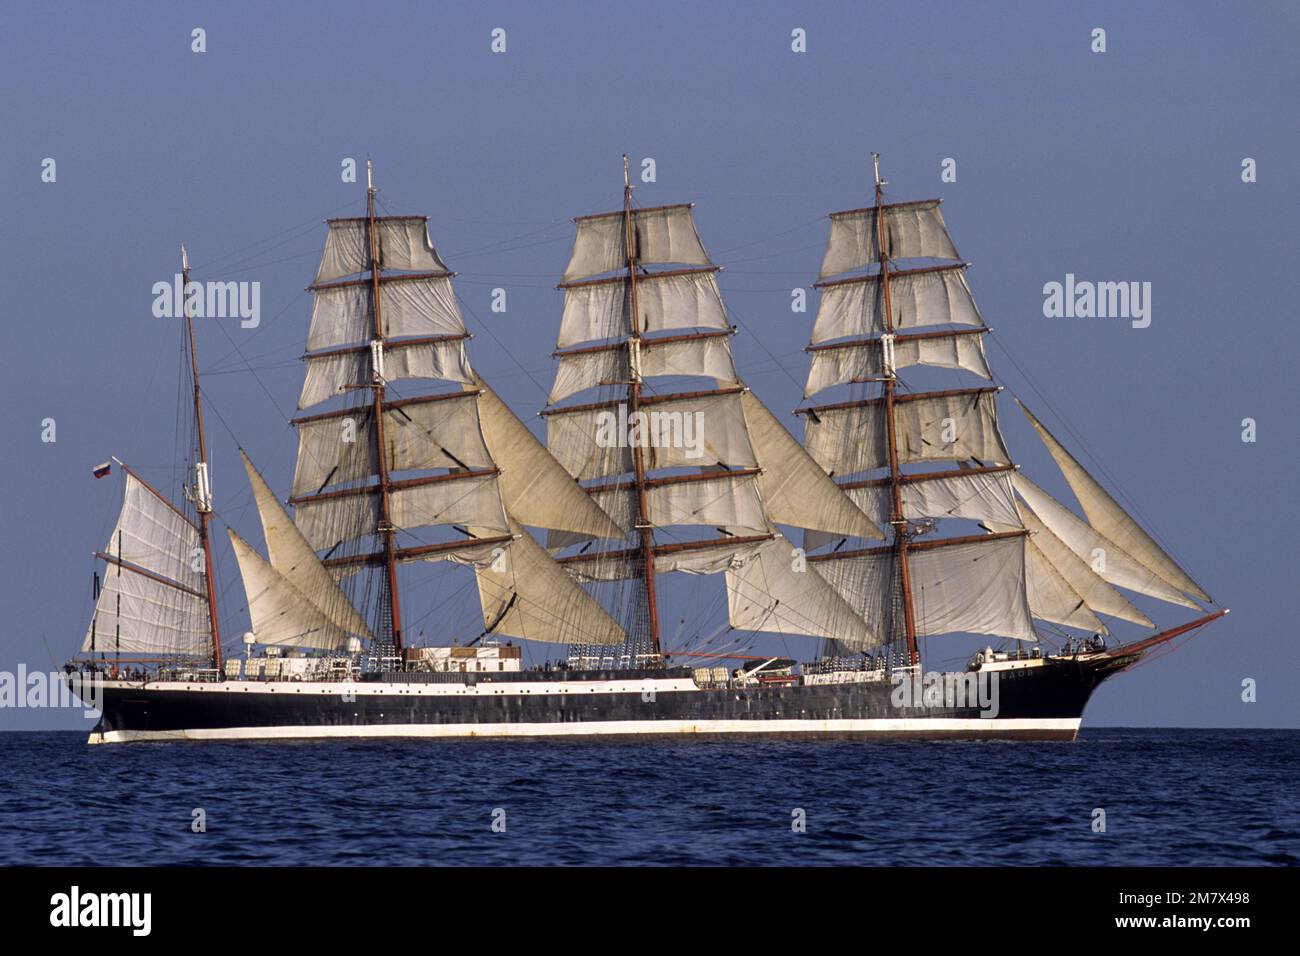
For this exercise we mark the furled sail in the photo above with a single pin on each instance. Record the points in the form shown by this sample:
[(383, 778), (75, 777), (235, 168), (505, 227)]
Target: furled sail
[(292, 556), (280, 613), (525, 594), (1105, 514), (1108, 559), (152, 598), (404, 244), (912, 230), (661, 235), (467, 552), (765, 593), (712, 557), (917, 298)]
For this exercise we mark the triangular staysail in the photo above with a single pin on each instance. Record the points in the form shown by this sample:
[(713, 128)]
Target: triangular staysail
[(525, 594), (1105, 557), (281, 614), (1100, 597), (795, 490), (1105, 514), (536, 490), (293, 558)]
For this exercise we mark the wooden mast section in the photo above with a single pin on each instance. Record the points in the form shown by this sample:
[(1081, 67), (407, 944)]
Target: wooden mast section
[(202, 484), (643, 524), (385, 527), (897, 521)]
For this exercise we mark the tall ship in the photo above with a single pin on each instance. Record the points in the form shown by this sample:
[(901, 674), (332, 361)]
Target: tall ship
[(899, 518)]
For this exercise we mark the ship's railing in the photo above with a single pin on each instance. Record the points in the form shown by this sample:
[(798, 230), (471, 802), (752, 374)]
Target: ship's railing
[(189, 675), (273, 669), (138, 671), (854, 663)]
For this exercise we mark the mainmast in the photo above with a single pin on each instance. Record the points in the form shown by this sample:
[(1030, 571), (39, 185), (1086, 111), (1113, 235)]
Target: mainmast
[(643, 523), (629, 323), (202, 484), (897, 521), (385, 528)]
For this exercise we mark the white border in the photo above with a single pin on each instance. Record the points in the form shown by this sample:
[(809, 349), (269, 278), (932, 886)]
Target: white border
[(973, 728)]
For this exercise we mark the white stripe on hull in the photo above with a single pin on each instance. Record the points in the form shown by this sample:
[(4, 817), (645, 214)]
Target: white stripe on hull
[(1062, 728)]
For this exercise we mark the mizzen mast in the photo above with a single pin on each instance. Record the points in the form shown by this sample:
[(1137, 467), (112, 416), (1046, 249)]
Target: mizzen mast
[(202, 484)]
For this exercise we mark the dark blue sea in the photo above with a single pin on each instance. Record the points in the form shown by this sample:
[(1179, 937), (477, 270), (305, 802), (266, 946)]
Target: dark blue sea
[(1171, 797)]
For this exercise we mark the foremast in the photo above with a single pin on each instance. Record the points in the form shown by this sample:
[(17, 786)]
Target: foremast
[(1035, 560), (856, 341)]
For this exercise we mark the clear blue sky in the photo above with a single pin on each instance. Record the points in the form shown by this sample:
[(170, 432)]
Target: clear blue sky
[(1116, 166)]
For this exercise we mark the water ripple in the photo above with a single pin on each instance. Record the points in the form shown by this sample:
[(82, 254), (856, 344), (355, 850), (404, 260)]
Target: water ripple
[(1171, 797)]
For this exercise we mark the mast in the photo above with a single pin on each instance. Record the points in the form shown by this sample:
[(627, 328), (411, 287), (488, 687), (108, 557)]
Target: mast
[(202, 485), (385, 529), (854, 339), (749, 475), (644, 527), (897, 521)]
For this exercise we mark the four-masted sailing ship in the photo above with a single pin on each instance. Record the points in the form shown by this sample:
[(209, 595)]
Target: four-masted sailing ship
[(641, 477)]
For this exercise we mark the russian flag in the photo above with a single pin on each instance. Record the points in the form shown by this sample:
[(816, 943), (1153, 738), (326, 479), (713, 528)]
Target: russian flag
[(103, 469)]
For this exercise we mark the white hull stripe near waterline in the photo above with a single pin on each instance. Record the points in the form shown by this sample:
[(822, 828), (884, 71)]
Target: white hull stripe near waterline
[(1063, 727)]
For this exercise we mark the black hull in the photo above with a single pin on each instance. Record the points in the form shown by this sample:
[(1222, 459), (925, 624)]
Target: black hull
[(1045, 702)]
